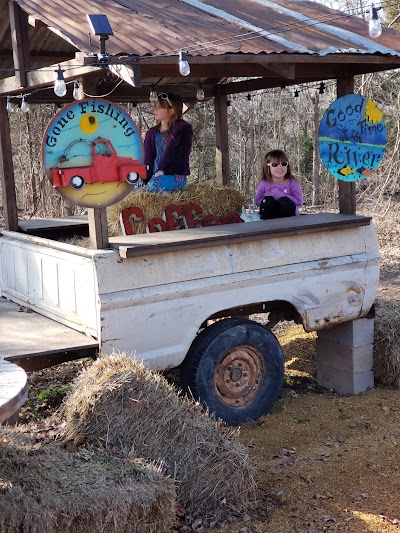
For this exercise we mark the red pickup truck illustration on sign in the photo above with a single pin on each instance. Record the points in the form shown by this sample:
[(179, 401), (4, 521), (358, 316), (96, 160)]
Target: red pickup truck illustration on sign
[(106, 167)]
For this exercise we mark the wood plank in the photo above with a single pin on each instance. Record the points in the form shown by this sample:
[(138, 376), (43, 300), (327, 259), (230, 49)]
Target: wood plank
[(13, 389), (28, 333), (170, 241), (7, 171), (53, 228)]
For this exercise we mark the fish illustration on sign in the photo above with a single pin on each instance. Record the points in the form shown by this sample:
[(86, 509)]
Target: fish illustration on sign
[(352, 137)]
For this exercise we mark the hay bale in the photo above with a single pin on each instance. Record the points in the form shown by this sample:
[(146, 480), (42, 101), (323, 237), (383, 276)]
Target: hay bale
[(387, 343), (214, 200), (119, 402), (44, 489)]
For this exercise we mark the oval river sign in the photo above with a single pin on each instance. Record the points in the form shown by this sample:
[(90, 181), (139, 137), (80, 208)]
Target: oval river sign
[(352, 137)]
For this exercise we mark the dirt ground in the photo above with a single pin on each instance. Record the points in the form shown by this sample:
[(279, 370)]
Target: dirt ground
[(325, 462)]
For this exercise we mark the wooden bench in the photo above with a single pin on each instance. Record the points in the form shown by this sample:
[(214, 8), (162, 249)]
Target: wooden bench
[(13, 389)]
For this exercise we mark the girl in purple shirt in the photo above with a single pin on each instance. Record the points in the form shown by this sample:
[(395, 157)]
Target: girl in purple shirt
[(278, 193)]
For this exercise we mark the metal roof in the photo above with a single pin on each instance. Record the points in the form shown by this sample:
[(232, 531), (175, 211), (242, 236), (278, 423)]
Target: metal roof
[(283, 42)]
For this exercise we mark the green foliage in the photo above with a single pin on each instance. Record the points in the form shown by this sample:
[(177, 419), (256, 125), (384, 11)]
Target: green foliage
[(53, 392)]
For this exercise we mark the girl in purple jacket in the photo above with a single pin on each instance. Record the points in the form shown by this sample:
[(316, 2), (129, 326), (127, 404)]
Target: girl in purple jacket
[(167, 146), (278, 193)]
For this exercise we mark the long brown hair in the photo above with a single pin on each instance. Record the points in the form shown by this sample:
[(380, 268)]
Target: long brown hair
[(174, 101), (274, 156)]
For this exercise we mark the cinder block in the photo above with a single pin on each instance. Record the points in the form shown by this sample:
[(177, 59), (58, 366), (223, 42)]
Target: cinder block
[(355, 333), (344, 382), (345, 358)]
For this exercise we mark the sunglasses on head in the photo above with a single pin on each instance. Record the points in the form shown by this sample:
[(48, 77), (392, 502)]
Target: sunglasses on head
[(281, 163), (164, 96)]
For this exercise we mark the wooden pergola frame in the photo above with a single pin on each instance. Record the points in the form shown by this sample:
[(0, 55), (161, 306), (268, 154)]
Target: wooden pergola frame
[(266, 71)]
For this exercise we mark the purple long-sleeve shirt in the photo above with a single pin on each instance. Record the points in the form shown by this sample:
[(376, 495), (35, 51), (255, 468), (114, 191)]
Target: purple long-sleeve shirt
[(289, 188)]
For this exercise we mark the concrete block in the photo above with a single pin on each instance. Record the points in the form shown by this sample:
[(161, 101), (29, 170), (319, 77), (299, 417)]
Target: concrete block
[(345, 358), (344, 382), (355, 333)]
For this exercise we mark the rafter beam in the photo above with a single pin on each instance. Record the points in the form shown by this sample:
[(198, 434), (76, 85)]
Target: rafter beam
[(46, 76), (20, 41)]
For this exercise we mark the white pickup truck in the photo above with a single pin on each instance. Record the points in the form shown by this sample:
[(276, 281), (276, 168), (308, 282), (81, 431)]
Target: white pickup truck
[(154, 295)]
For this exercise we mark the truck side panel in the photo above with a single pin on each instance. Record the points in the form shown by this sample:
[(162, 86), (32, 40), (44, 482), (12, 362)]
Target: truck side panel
[(160, 301)]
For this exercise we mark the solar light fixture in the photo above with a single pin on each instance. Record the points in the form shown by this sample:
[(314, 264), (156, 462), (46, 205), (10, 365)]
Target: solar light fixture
[(100, 26)]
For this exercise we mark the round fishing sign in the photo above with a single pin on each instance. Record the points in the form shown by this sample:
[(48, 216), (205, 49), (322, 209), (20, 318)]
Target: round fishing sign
[(352, 137), (92, 152)]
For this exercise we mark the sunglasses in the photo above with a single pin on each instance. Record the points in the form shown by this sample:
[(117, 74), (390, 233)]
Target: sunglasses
[(164, 96), (281, 163)]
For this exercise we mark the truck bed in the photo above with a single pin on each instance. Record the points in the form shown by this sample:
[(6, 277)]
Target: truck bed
[(34, 341)]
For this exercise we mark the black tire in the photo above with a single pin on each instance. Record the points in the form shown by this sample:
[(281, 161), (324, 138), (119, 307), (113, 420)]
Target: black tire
[(235, 367), (77, 183), (132, 178)]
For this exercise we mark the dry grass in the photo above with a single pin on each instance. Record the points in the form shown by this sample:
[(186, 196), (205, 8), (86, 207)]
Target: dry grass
[(119, 403), (387, 343), (44, 489), (213, 199)]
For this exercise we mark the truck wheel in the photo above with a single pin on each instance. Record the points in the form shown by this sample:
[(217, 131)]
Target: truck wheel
[(132, 178), (235, 367), (77, 182)]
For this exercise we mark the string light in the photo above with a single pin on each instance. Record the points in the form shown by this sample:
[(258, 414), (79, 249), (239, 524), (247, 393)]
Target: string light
[(24, 105), (296, 93), (249, 100), (229, 107), (374, 27), (184, 67), (9, 105), (60, 87), (153, 95), (200, 92), (321, 89), (77, 92)]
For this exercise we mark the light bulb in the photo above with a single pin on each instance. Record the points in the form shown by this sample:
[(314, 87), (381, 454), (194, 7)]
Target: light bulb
[(78, 93), (375, 27), (153, 95), (321, 89), (200, 93), (229, 106), (24, 105), (249, 102), (60, 88), (296, 96), (184, 67), (9, 105)]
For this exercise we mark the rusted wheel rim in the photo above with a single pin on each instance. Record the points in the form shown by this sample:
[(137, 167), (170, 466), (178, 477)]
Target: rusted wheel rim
[(239, 376)]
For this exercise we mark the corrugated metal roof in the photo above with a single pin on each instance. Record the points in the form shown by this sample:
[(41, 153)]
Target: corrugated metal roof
[(276, 43), (213, 27)]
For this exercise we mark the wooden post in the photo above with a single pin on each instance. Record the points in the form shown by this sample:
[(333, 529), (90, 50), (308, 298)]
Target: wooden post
[(347, 189), (7, 171), (222, 145), (98, 230), (20, 42)]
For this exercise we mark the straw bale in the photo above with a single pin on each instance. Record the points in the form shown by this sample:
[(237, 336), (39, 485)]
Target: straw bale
[(387, 342), (119, 402), (213, 199), (45, 489)]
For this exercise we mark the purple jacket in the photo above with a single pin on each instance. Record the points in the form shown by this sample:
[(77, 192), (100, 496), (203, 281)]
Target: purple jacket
[(177, 149), (289, 188)]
